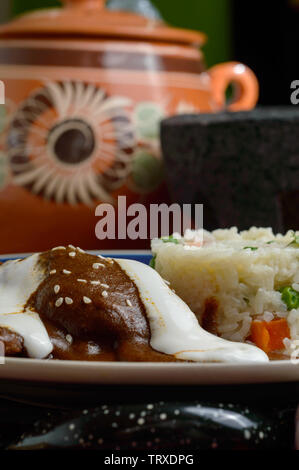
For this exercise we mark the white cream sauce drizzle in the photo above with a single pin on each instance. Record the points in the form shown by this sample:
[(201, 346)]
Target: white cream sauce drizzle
[(174, 327), (18, 280)]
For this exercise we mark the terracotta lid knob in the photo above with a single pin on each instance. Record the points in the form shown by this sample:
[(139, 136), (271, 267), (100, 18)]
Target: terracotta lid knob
[(86, 4)]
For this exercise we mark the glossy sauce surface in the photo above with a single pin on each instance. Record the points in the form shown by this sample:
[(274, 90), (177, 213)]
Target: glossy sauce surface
[(101, 317), (67, 304)]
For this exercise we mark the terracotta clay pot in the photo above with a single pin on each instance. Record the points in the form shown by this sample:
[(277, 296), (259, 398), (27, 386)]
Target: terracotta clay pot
[(86, 89)]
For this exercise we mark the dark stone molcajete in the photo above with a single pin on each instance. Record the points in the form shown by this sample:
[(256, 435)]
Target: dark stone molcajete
[(244, 167)]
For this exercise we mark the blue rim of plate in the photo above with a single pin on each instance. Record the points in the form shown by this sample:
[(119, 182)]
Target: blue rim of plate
[(136, 255)]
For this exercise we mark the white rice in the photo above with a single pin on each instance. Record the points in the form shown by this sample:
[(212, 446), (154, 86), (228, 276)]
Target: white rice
[(244, 282)]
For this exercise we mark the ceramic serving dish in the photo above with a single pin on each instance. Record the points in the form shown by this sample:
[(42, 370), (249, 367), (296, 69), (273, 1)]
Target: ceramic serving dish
[(86, 89), (128, 373)]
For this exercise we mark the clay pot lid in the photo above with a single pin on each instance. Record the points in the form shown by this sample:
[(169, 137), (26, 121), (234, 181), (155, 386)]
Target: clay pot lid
[(90, 18)]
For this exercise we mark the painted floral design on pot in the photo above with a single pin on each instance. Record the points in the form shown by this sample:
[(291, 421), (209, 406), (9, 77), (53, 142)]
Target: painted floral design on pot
[(4, 170), (4, 159), (3, 118), (90, 87), (147, 166), (184, 107), (147, 117), (147, 171), (72, 143)]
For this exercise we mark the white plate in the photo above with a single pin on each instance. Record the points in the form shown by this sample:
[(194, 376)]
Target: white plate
[(144, 373), (147, 373)]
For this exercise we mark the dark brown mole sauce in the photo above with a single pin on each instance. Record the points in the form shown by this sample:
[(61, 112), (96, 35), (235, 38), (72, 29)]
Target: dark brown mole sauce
[(209, 316), (92, 326), (13, 342)]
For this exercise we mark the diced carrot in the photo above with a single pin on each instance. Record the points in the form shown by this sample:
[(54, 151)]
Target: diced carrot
[(260, 335), (278, 330), (269, 336)]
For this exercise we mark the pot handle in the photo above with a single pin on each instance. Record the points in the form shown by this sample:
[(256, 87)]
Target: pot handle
[(246, 86)]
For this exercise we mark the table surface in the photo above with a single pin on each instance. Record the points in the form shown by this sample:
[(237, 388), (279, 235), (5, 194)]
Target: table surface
[(61, 416)]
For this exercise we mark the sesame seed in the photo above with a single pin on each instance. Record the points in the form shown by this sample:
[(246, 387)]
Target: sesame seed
[(65, 271), (56, 289), (53, 271), (129, 303), (105, 286), (82, 280), (69, 339), (59, 302), (68, 301), (97, 265), (105, 293), (59, 248), (80, 249), (95, 283), (87, 300), (72, 247), (72, 254), (102, 257)]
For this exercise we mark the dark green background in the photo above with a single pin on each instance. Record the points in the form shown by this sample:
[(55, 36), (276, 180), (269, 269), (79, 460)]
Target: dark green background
[(211, 16)]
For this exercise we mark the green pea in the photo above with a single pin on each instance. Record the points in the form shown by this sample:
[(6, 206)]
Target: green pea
[(170, 239), (295, 242), (290, 297), (153, 262)]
